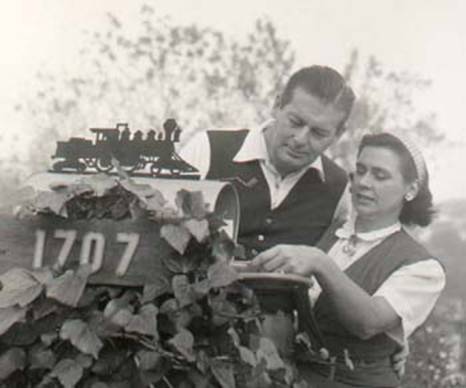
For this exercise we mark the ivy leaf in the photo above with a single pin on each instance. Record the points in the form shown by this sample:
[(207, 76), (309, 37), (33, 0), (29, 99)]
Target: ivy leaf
[(200, 380), (145, 322), (198, 229), (42, 275), (41, 358), (53, 201), (260, 376), (81, 336), (119, 311), (268, 352), (110, 360), (19, 287), (182, 290), (201, 288), (100, 184), (149, 360), (169, 306), (180, 264), (179, 317), (222, 309), (234, 336), (48, 338), (220, 274), (69, 287), (11, 315), (223, 247), (183, 342), (152, 197), (68, 372), (12, 360), (191, 203), (177, 236), (84, 360), (79, 188), (155, 202), (247, 355), (159, 286), (141, 190), (100, 325), (224, 373)]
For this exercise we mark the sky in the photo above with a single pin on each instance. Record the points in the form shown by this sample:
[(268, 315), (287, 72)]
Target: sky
[(425, 37)]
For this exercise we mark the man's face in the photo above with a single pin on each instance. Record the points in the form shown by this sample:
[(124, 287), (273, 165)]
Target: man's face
[(303, 129)]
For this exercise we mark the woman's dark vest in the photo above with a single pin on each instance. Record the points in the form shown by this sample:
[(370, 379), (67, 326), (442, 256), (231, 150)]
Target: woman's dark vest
[(372, 356), (301, 218)]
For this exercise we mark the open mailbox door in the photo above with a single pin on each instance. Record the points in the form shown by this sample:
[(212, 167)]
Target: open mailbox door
[(125, 252), (286, 293)]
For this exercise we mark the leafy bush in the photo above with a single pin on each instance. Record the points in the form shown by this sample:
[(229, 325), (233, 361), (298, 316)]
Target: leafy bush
[(197, 326)]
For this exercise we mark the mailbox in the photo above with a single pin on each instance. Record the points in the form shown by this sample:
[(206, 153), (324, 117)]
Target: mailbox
[(126, 252)]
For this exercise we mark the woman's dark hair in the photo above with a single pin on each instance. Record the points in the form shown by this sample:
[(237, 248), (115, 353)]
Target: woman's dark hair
[(420, 210)]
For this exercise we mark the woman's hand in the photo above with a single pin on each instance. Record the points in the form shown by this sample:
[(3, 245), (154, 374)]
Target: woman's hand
[(292, 259)]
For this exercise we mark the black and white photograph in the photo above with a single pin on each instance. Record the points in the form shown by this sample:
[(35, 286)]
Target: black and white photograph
[(232, 194)]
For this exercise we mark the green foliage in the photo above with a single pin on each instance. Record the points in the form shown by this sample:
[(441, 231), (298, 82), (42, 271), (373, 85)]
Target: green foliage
[(196, 326)]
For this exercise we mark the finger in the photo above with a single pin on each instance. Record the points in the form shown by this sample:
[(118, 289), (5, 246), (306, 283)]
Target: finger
[(276, 264), (264, 257)]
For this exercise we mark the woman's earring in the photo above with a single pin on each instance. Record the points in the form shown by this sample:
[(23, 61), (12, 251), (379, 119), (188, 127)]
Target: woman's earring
[(409, 197)]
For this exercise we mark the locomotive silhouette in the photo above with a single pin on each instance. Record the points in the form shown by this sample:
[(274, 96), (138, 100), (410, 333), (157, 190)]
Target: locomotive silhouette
[(152, 155)]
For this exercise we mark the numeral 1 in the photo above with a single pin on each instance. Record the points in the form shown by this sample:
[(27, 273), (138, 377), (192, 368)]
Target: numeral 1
[(39, 249)]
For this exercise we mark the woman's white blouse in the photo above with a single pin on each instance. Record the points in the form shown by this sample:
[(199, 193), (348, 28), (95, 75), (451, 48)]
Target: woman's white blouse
[(411, 290)]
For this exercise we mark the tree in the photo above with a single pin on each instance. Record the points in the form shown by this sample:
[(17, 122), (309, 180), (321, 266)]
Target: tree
[(386, 100), (195, 74)]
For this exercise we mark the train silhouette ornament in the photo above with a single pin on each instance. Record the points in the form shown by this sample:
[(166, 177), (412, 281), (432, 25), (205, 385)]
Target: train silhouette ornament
[(139, 154)]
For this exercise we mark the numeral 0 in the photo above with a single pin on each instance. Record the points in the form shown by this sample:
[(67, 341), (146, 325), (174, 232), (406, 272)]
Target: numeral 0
[(93, 244)]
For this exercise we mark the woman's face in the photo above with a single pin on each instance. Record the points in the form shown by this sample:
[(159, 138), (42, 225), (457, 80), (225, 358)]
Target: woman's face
[(378, 187)]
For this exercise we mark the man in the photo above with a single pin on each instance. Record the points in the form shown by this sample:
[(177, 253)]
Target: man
[(289, 191)]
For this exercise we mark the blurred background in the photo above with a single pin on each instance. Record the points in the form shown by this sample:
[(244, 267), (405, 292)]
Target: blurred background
[(66, 66)]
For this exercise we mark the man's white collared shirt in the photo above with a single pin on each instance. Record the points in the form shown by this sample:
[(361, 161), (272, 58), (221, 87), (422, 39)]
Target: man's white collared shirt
[(197, 153)]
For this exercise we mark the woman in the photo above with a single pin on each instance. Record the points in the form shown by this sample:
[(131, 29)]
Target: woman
[(375, 283)]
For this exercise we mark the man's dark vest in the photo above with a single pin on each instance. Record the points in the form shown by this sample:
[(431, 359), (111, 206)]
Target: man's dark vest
[(301, 218), (372, 356)]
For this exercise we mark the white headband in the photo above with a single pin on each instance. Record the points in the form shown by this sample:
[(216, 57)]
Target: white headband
[(415, 154)]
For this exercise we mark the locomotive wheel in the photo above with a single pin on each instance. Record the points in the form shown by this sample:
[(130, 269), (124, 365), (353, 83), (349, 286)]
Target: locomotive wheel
[(81, 167), (133, 167), (155, 170), (104, 165), (90, 162)]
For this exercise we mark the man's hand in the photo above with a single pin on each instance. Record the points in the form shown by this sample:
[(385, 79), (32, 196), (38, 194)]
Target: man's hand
[(399, 360), (293, 259)]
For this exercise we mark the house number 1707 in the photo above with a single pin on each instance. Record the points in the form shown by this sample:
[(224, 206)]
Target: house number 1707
[(92, 249)]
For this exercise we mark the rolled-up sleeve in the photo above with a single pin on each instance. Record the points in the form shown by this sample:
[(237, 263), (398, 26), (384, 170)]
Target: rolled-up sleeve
[(412, 291)]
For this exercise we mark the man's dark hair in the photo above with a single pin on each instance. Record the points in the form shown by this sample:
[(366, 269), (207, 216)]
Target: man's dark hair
[(326, 84), (420, 210)]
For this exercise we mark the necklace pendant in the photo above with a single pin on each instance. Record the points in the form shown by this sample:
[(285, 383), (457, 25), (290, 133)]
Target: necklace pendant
[(350, 247)]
